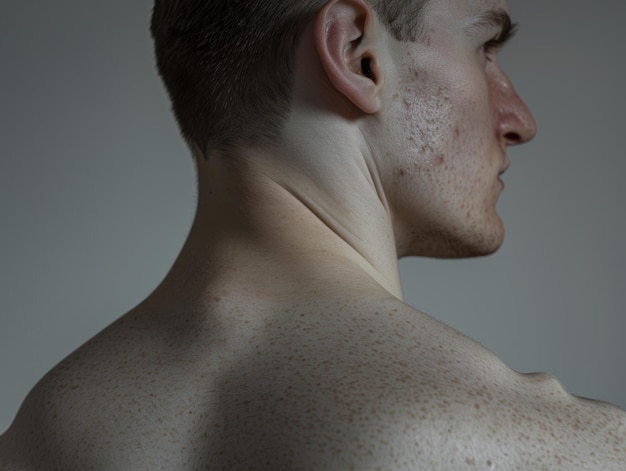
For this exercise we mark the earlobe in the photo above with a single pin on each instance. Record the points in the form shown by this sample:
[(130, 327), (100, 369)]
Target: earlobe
[(346, 39)]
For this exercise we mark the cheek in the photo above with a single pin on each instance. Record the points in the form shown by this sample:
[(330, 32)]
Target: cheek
[(429, 129), (441, 128), (446, 138), (444, 130)]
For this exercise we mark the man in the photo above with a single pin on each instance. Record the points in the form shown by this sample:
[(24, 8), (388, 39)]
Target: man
[(331, 137)]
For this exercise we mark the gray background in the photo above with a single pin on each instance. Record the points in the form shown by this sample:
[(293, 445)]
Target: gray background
[(97, 194)]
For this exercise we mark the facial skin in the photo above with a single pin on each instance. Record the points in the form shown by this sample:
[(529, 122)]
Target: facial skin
[(452, 114)]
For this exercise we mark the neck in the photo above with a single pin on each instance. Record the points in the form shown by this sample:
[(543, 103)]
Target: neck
[(277, 229)]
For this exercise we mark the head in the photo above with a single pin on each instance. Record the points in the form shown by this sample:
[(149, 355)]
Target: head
[(434, 111), (229, 65)]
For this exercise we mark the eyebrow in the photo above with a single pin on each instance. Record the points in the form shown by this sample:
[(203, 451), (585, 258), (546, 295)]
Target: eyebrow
[(493, 19)]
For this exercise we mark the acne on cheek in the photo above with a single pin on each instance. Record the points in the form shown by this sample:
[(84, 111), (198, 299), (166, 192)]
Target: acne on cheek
[(430, 128), (423, 168)]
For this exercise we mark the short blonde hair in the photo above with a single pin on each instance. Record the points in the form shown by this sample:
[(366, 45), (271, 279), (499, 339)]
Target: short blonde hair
[(228, 64)]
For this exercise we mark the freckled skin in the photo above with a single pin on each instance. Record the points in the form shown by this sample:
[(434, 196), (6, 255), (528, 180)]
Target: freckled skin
[(447, 138), (279, 340), (299, 387)]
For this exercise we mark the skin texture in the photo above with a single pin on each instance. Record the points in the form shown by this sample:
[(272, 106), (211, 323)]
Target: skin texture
[(455, 114), (279, 339)]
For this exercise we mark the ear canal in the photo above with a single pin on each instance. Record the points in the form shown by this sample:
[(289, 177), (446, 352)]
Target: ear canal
[(366, 68)]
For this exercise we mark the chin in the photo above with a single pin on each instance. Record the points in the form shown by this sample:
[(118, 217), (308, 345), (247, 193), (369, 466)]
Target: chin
[(449, 245)]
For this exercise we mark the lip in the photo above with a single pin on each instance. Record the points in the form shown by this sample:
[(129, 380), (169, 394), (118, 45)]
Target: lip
[(505, 167)]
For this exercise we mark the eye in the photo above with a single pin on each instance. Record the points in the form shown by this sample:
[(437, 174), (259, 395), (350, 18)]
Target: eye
[(497, 42), (491, 48)]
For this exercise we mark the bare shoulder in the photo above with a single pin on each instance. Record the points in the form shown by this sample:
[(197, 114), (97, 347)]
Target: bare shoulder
[(325, 386), (390, 387)]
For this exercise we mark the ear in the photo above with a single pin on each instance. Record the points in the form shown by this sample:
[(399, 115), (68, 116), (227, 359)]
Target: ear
[(348, 42)]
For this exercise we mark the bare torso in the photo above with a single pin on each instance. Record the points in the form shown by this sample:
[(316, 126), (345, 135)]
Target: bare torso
[(339, 383)]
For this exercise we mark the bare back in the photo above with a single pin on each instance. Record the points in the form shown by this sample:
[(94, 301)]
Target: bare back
[(334, 384)]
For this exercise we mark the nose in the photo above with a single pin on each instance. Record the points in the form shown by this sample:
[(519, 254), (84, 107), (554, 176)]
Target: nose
[(515, 122)]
